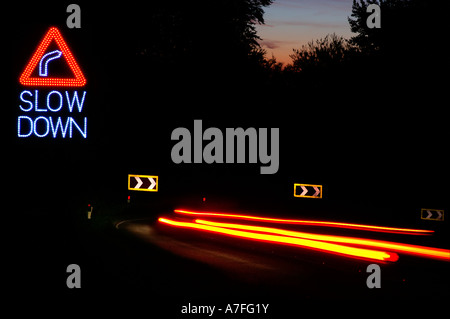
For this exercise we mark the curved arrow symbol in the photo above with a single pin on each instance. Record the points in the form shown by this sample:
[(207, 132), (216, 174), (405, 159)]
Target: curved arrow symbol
[(46, 59)]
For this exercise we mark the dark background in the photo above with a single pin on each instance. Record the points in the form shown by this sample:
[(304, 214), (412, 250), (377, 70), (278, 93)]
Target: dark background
[(374, 135)]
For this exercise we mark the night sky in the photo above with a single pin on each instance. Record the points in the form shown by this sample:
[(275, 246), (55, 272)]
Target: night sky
[(292, 23)]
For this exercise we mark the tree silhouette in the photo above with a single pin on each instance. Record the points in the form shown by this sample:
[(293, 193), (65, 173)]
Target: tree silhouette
[(409, 31), (367, 38), (325, 53), (179, 33), (408, 46)]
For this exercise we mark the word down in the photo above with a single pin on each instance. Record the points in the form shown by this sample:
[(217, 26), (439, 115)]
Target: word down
[(42, 114)]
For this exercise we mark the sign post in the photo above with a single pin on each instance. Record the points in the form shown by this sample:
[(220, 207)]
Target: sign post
[(307, 190), (432, 214), (146, 183), (50, 105)]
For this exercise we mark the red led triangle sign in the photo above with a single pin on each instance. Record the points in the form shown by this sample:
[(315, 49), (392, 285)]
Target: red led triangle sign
[(40, 60)]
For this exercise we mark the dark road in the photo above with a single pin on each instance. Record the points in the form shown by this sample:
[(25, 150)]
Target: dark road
[(143, 263), (244, 267)]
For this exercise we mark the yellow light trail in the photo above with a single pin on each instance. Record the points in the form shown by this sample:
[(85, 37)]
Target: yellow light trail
[(320, 245), (429, 252)]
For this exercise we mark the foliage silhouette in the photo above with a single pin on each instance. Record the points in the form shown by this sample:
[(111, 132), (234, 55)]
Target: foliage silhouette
[(179, 33), (327, 52), (406, 42)]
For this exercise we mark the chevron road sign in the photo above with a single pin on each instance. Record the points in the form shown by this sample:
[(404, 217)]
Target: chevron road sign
[(145, 183), (432, 214), (307, 191)]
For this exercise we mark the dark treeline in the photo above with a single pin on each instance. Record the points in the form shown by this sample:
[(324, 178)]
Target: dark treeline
[(367, 109), (404, 52), (218, 39), (181, 40)]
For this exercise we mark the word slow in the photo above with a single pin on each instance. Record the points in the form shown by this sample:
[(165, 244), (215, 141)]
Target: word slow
[(235, 139), (36, 123)]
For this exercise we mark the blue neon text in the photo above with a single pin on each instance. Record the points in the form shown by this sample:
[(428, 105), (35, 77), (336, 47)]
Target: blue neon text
[(52, 126), (56, 127)]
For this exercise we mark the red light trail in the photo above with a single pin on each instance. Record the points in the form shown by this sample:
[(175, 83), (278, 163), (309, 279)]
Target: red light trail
[(349, 246), (429, 252), (311, 222)]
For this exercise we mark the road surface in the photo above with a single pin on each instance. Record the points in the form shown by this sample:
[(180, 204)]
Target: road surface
[(215, 265)]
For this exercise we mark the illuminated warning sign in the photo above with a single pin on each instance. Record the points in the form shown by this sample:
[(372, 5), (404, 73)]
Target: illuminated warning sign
[(307, 191), (49, 111), (37, 71), (147, 183), (432, 214)]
